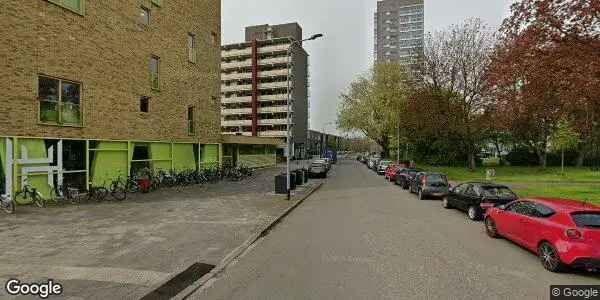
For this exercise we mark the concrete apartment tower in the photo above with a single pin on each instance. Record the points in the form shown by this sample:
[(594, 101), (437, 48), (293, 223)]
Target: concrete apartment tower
[(255, 84), (399, 31)]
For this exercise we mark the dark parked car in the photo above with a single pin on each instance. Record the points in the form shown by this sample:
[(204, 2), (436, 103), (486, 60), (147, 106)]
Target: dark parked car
[(476, 197), (430, 185), (405, 176)]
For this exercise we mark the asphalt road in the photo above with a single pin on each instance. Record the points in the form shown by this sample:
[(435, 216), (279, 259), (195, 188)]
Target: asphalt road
[(360, 237)]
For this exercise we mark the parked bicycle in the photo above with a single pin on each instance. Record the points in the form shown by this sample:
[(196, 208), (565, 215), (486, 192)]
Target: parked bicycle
[(118, 189), (7, 204), (30, 194)]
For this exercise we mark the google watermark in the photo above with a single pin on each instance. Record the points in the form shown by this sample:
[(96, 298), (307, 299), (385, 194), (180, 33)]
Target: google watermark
[(587, 292), (41, 289)]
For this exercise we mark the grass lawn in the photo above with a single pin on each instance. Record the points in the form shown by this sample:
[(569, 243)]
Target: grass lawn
[(576, 183)]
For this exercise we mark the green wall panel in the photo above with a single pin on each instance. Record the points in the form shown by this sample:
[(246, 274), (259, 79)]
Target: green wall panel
[(183, 157), (2, 157), (36, 148), (161, 154), (210, 154), (108, 165)]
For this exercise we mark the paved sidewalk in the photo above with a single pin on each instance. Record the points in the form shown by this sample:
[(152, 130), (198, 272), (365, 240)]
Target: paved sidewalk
[(122, 250)]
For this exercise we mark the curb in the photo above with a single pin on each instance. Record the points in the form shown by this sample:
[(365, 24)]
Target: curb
[(242, 248)]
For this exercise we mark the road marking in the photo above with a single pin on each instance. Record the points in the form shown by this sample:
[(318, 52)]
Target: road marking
[(116, 275)]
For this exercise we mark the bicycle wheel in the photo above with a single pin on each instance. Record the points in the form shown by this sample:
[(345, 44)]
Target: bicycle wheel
[(8, 206), (100, 194), (118, 193), (38, 200)]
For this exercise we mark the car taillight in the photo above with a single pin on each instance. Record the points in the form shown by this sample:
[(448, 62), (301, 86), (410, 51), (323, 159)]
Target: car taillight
[(573, 234)]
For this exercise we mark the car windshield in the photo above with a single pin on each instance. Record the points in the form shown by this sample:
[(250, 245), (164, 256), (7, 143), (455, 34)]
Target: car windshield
[(587, 219), (436, 178), (497, 191)]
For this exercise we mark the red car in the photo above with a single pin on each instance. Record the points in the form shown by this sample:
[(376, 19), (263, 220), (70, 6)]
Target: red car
[(562, 232), (390, 172)]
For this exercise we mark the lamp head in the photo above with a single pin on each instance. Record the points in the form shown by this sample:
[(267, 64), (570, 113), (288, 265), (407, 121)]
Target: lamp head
[(316, 36)]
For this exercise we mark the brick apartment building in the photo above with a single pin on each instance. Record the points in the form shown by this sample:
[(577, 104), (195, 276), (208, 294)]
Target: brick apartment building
[(255, 85), (92, 91)]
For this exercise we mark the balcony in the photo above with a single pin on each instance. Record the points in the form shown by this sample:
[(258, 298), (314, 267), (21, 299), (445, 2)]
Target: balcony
[(272, 122), (236, 99), (277, 97), (236, 52), (235, 76), (272, 133), (235, 88), (245, 133), (273, 61), (273, 73), (235, 111), (274, 85), (236, 64), (236, 123), (274, 109), (274, 48)]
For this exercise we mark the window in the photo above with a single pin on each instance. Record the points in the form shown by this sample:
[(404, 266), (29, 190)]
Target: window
[(192, 48), (190, 118), (145, 15), (145, 104), (72, 5), (59, 101), (154, 72), (586, 219), (156, 2)]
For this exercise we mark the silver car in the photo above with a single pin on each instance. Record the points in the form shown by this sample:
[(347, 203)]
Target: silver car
[(318, 168)]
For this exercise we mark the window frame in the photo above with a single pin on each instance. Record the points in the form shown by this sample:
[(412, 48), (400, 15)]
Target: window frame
[(149, 12), (156, 3), (193, 48), (157, 87), (59, 102), (191, 122), (60, 3)]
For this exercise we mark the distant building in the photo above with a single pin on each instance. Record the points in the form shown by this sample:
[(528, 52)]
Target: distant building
[(399, 31), (255, 85)]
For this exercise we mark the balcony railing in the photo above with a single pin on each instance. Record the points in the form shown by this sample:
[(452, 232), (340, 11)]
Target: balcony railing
[(233, 88), (234, 123), (235, 111), (236, 52), (236, 64)]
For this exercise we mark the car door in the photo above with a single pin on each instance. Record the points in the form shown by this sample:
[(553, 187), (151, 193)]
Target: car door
[(514, 222), (471, 197), (456, 196), (533, 223)]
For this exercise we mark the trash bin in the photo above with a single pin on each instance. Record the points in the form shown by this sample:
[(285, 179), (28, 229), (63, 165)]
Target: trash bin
[(280, 184), (306, 175), (299, 177)]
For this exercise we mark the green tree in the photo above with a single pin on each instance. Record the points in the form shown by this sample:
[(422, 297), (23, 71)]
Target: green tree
[(374, 102), (564, 138)]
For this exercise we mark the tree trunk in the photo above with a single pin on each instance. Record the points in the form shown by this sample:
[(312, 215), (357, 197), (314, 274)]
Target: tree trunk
[(472, 162), (580, 157), (543, 155), (562, 161)]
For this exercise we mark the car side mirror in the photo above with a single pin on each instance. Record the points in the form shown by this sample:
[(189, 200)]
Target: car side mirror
[(502, 207)]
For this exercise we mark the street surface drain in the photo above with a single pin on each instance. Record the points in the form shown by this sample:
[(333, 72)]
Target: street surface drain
[(178, 283)]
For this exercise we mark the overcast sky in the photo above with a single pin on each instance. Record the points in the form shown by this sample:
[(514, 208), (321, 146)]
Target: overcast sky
[(347, 49)]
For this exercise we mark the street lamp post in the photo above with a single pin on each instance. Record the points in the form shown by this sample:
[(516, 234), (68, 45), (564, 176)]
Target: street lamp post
[(290, 51)]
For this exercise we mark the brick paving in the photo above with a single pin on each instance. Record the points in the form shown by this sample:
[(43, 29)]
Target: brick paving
[(119, 250)]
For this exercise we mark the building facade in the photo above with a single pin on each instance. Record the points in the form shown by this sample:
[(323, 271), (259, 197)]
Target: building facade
[(255, 85), (399, 31), (94, 91)]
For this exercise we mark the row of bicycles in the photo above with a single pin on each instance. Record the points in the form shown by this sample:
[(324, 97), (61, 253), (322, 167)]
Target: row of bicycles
[(117, 189)]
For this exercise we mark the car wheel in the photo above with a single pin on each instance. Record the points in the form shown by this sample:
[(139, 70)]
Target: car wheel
[(549, 258), (405, 186), (490, 228), (421, 195), (474, 213), (446, 203)]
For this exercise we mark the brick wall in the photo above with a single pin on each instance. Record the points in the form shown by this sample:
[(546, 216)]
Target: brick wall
[(108, 50)]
